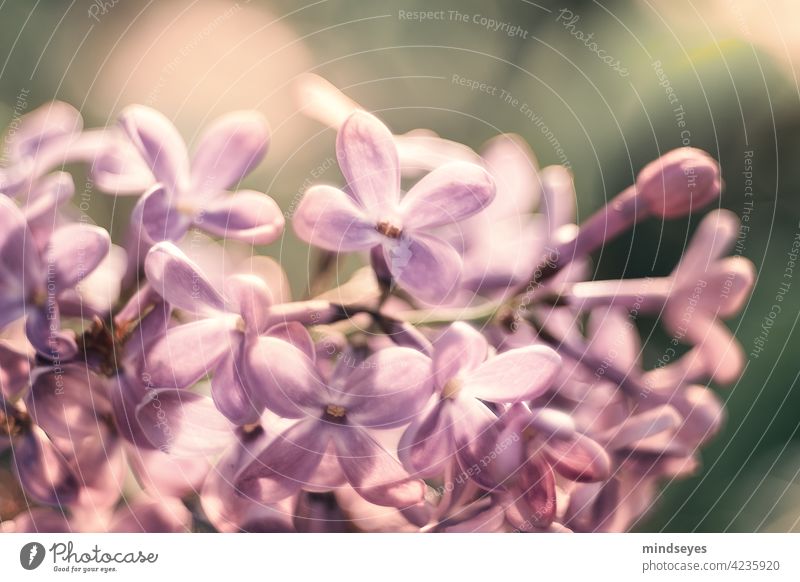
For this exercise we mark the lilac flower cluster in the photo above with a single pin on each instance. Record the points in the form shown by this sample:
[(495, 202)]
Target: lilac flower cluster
[(471, 377)]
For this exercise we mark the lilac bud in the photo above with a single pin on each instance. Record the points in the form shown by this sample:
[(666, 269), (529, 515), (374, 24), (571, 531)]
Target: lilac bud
[(679, 182), (674, 185)]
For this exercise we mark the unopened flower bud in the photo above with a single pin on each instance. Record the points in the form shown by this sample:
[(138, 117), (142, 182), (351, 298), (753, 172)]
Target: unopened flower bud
[(679, 182)]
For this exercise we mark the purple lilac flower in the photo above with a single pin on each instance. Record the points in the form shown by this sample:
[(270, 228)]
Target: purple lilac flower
[(332, 440), (220, 340), (492, 265), (560, 429), (457, 423), (43, 472), (40, 142), (678, 183), (72, 406), (549, 444), (51, 136), (703, 288), (188, 425), (192, 191), (372, 214), (33, 281)]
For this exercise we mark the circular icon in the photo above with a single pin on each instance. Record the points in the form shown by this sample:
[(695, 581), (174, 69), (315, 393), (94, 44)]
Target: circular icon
[(31, 555)]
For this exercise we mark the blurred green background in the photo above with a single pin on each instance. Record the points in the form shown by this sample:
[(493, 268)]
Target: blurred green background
[(732, 65)]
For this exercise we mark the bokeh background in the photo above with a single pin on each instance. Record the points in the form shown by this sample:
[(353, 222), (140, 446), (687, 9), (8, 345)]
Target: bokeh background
[(731, 67)]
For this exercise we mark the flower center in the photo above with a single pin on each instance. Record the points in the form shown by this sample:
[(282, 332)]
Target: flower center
[(452, 388), (335, 413), (240, 324), (186, 208), (386, 228), (40, 298), (13, 424)]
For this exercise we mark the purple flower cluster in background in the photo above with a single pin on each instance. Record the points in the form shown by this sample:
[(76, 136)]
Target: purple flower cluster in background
[(472, 376)]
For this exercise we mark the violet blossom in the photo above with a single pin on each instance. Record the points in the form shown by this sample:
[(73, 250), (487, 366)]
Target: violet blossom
[(372, 214), (220, 341), (333, 436), (458, 424), (34, 281), (465, 381), (192, 191)]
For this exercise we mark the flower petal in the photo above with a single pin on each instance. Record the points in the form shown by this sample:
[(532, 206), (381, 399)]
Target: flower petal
[(476, 434), (159, 144), (180, 281), (422, 150), (166, 475), (125, 392), (228, 150), (297, 335), (552, 422), (284, 378), (43, 471), (388, 389), (427, 444), (703, 413), (20, 265), (68, 402), (51, 121), (319, 99), (41, 208), (42, 330), (641, 426), (489, 519), (287, 464), (457, 352), (40, 520), (368, 158), (558, 196), (75, 251), (447, 195), (721, 351), (154, 218), (230, 393), (579, 458), (535, 493), (119, 169), (514, 376), (513, 166), (251, 298), (328, 218), (373, 472), (247, 216), (715, 234), (99, 464), (188, 352), (613, 338), (183, 423), (425, 266)]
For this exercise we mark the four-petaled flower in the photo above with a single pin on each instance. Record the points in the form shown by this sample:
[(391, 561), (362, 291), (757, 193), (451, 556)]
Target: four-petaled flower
[(218, 342), (457, 422), (371, 213), (33, 281), (192, 192), (333, 439)]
